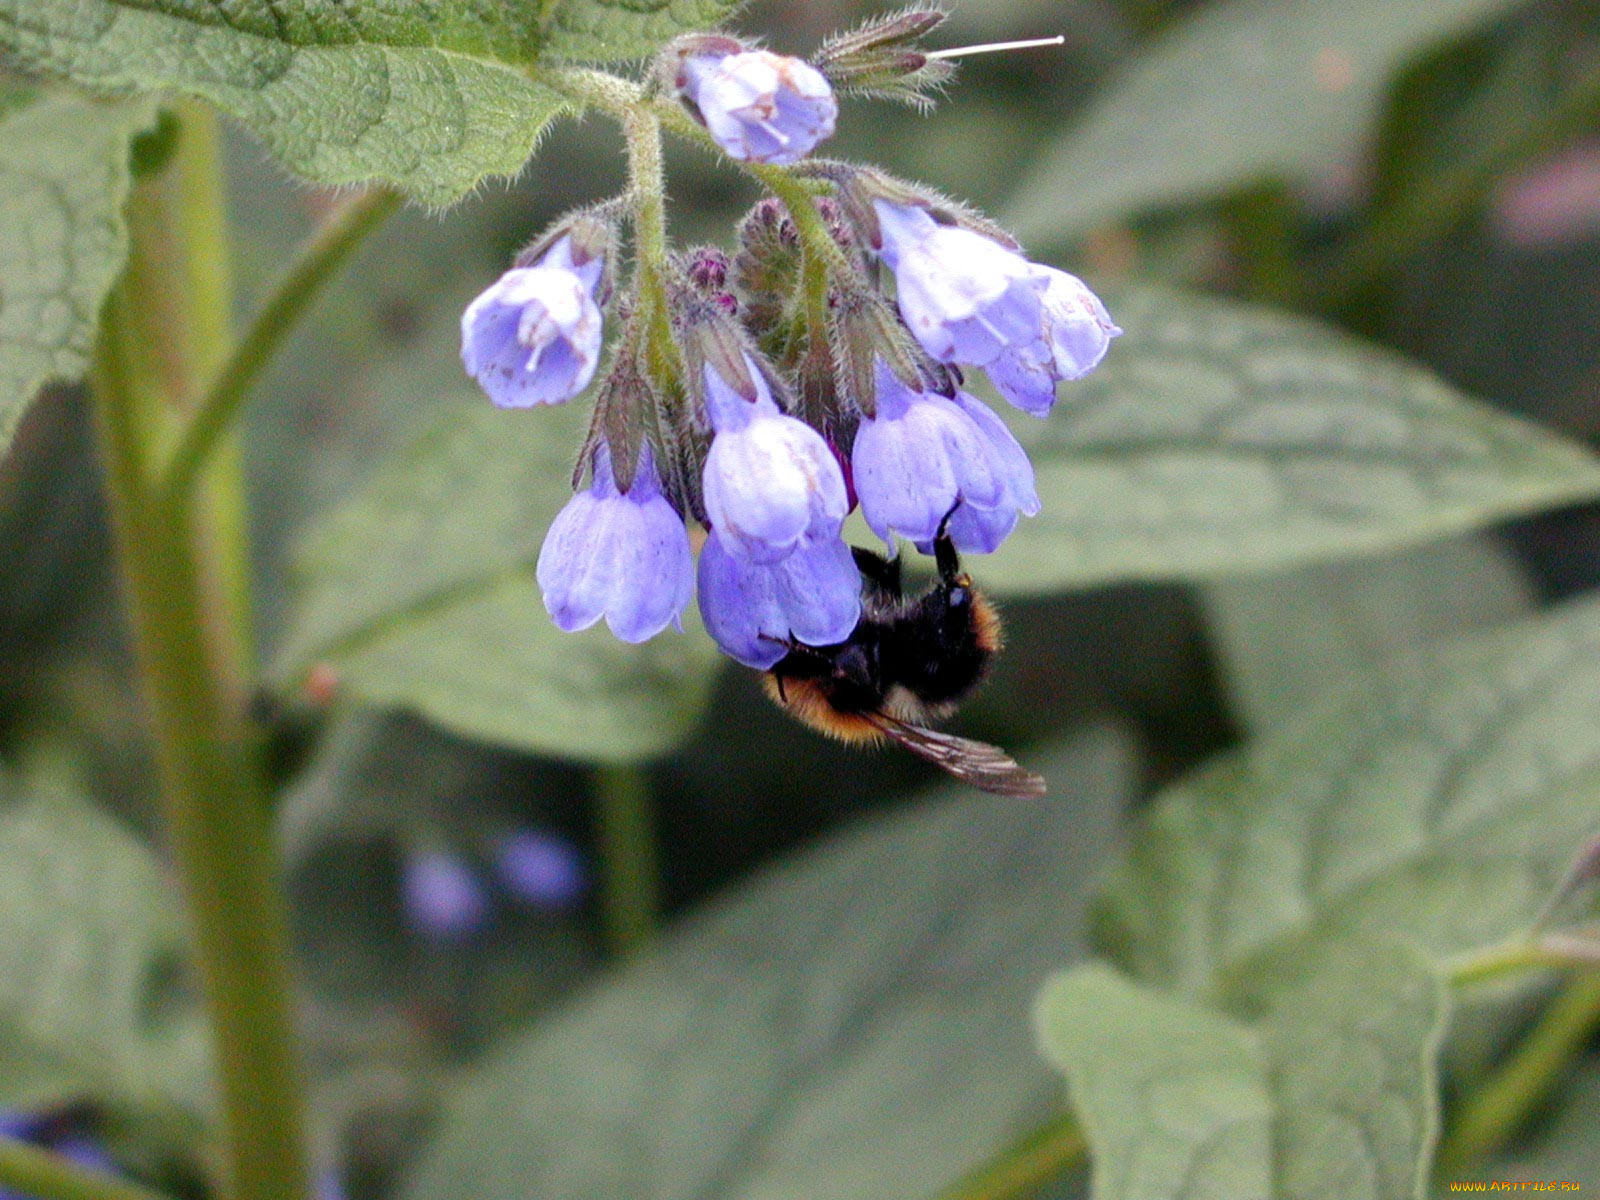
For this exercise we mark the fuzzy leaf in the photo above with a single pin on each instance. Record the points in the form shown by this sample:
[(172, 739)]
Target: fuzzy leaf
[(1441, 805), (63, 179), (1326, 1091), (89, 967), (1239, 93), (431, 99), (849, 1026), (1219, 438)]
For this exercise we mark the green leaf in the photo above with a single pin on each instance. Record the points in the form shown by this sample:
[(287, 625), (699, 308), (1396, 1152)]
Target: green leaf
[(1239, 93), (1326, 1091), (850, 1026), (1441, 805), (90, 967), (1286, 640), (63, 180), (1172, 1096), (1220, 438), (420, 593), (613, 30), (337, 99)]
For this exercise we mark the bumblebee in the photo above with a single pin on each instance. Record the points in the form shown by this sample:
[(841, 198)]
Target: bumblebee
[(908, 661)]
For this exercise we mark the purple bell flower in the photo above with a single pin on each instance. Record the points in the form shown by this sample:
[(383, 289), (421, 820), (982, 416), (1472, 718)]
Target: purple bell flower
[(771, 484), (752, 610), (541, 868), (965, 297), (533, 336), (621, 556), (443, 898), (923, 457), (1075, 334), (759, 106)]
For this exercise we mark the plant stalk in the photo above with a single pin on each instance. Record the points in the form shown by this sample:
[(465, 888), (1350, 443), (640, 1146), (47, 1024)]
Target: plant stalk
[(630, 890), (212, 795)]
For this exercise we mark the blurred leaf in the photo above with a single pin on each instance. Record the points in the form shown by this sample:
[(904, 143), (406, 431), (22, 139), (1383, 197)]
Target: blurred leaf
[(1286, 640), (419, 592), (1327, 1093), (1220, 438), (1239, 93), (1442, 805), (849, 1026), (431, 98), (63, 178), (91, 964)]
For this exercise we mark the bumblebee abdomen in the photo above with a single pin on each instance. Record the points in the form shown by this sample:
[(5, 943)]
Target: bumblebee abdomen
[(808, 701)]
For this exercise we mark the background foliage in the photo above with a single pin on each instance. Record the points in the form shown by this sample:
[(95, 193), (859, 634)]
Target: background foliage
[(1301, 640)]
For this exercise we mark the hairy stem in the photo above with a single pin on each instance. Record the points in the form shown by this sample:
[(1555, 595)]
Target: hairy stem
[(29, 1171), (300, 285), (212, 796), (1026, 1165), (1495, 1110), (629, 872)]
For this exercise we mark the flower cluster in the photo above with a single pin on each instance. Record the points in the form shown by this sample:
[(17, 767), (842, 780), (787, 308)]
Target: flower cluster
[(766, 394)]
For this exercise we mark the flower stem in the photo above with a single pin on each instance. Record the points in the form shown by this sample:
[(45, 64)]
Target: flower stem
[(314, 266), (629, 872), (1025, 1166), (212, 794), (29, 1171), (1497, 1109)]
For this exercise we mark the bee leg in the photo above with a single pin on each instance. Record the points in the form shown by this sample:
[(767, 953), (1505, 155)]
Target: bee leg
[(944, 550)]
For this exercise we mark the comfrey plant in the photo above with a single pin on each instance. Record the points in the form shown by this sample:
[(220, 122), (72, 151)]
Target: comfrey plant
[(765, 394)]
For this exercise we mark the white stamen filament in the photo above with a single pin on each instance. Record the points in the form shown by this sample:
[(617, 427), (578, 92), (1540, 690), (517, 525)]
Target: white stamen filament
[(991, 47)]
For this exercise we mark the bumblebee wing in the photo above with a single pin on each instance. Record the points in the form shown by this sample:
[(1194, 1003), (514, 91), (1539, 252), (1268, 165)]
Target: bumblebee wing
[(986, 767)]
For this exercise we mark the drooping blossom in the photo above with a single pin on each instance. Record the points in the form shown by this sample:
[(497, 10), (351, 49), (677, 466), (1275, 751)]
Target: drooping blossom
[(619, 555), (533, 336), (752, 610), (771, 485), (1075, 332), (923, 457)]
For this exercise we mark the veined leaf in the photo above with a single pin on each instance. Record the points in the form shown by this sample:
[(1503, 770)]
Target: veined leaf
[(851, 1025), (1441, 805), (63, 180), (1325, 1092), (90, 961), (1218, 438), (430, 98)]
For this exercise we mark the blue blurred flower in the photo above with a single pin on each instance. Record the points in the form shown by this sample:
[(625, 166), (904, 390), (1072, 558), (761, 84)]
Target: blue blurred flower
[(752, 610), (533, 336), (771, 484), (619, 555), (759, 106), (924, 457), (59, 1133), (965, 297), (541, 868), (443, 897), (1075, 334)]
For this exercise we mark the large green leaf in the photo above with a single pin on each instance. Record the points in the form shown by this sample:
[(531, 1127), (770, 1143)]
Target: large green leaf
[(1240, 92), (1442, 805), (419, 592), (63, 179), (1285, 640), (851, 1026), (92, 954), (1218, 438), (431, 98), (1325, 1092)]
